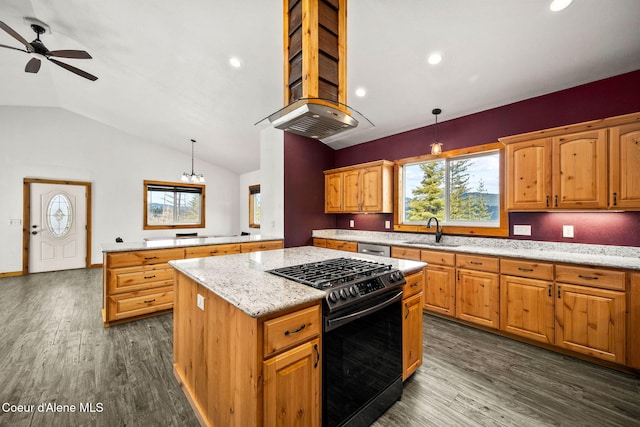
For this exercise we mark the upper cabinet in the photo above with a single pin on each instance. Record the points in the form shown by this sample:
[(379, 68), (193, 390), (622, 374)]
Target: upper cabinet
[(364, 188), (584, 166)]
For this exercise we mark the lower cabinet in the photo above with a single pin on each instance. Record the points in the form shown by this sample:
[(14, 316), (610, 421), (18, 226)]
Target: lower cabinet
[(633, 330), (261, 246), (412, 324), (478, 298), (440, 282), (341, 245)]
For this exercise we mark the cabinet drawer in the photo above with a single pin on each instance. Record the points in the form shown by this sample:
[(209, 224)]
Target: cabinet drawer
[(211, 250), (137, 278), (137, 303), (260, 246), (589, 276), (414, 285), (291, 329), (135, 258), (481, 263), (524, 268), (405, 253), (342, 245), (319, 242), (437, 257)]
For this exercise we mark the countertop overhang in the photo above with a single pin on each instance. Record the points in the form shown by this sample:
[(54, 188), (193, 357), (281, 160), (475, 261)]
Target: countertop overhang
[(184, 242), (243, 280)]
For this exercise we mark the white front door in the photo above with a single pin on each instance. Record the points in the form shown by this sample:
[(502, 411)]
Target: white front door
[(58, 227)]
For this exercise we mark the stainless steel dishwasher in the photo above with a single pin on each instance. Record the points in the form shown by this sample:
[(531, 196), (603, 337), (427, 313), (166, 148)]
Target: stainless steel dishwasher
[(379, 250)]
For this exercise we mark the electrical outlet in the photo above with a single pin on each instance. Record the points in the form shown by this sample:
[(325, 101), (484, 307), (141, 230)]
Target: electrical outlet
[(15, 221), (352, 223), (387, 224), (200, 302), (522, 230), (567, 231)]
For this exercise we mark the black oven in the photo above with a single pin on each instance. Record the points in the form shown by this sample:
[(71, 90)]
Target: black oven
[(362, 363)]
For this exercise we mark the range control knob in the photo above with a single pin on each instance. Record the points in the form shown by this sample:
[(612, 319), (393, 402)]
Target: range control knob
[(333, 296), (395, 276), (343, 293), (353, 291)]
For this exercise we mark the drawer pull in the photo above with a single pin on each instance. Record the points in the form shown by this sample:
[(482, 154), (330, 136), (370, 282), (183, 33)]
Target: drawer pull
[(559, 293), (525, 269), (475, 262), (149, 277), (213, 252), (547, 200), (295, 331), (550, 286), (149, 301), (615, 199), (315, 347), (587, 277), (413, 285), (147, 258)]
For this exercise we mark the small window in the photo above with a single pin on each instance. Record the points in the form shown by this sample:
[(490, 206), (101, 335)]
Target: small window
[(170, 205), (254, 206)]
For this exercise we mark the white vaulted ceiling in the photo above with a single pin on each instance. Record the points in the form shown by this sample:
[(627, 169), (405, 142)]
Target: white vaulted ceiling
[(164, 72)]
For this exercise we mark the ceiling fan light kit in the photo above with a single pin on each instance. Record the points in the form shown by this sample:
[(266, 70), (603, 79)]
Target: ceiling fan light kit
[(39, 51)]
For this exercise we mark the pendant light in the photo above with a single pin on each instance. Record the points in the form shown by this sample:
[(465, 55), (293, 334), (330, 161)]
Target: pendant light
[(192, 177), (436, 147)]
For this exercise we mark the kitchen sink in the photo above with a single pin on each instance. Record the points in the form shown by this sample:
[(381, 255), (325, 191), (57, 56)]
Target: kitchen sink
[(436, 244)]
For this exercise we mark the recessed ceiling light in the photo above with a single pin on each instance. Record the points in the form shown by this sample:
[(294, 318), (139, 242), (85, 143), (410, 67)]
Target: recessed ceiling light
[(558, 5), (235, 62), (434, 59), (361, 92)]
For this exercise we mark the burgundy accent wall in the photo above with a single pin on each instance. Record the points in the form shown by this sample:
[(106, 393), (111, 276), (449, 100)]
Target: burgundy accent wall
[(369, 222), (305, 159)]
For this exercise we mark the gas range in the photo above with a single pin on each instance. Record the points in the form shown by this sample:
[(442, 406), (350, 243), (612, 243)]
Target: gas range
[(348, 281)]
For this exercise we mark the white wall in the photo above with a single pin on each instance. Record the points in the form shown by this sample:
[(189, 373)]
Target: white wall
[(246, 180), (272, 182), (57, 144)]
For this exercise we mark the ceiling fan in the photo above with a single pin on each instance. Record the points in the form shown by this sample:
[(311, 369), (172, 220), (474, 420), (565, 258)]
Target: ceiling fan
[(39, 51)]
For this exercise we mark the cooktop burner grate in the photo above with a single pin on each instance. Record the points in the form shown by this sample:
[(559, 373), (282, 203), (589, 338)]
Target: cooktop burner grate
[(329, 273)]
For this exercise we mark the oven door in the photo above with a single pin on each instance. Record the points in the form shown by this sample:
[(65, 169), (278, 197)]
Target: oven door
[(362, 369)]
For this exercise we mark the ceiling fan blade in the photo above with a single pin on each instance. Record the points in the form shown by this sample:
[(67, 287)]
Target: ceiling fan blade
[(76, 54), (74, 70), (15, 35), (14, 48), (33, 66)]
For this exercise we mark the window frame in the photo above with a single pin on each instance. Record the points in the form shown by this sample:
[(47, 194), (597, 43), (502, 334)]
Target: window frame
[(201, 187), (253, 190), (399, 225)]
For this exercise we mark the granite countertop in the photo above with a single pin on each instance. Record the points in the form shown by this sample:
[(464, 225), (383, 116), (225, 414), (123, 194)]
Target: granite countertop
[(242, 280), (624, 257), (183, 242)]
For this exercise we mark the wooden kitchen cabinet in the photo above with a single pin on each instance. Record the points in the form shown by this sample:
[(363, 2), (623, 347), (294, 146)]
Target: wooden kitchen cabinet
[(591, 320), (320, 242), (527, 299), (212, 250), (440, 282), (137, 284), (624, 170), (478, 290), (342, 245), (365, 188), (412, 302), (261, 246), (528, 174), (633, 331)]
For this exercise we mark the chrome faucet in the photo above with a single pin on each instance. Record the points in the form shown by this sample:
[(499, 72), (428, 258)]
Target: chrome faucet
[(438, 228)]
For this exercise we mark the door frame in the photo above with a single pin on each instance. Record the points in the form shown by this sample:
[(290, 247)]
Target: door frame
[(26, 216)]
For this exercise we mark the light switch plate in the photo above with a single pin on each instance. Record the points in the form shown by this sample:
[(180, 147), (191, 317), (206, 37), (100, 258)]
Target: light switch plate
[(387, 224), (352, 223), (200, 302), (522, 230), (567, 231)]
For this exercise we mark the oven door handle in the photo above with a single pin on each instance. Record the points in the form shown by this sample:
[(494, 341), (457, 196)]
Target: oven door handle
[(339, 321)]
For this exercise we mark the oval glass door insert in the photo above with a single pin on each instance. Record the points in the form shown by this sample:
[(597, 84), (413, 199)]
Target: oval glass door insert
[(59, 215)]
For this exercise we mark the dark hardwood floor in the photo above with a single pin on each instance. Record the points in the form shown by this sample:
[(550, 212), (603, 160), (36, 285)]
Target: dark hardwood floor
[(54, 351)]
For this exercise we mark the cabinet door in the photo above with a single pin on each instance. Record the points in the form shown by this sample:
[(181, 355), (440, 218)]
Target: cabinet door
[(478, 297), (352, 191), (580, 170), (371, 189), (528, 175), (333, 193), (591, 321), (624, 173), (211, 250), (411, 335), (633, 301), (439, 290), (292, 392), (526, 308)]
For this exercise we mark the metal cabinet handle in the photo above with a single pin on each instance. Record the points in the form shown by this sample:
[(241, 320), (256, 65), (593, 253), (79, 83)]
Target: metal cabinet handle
[(549, 289), (413, 285), (407, 307), (547, 200), (587, 277), (475, 262), (295, 331), (525, 269), (150, 257), (149, 277), (556, 200), (615, 199), (315, 347), (149, 301), (559, 293)]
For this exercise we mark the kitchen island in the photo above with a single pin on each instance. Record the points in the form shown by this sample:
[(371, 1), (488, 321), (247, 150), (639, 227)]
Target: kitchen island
[(248, 344)]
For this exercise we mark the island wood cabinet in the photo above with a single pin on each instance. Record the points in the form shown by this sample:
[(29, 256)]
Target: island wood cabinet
[(364, 188), (590, 165), (527, 299), (341, 245), (261, 246), (212, 250), (412, 323), (590, 311), (478, 290), (240, 370)]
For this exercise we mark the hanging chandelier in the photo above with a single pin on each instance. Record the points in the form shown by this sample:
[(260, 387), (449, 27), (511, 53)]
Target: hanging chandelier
[(436, 147), (192, 177)]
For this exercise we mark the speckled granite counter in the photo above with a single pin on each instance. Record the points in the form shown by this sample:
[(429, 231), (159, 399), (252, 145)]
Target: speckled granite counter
[(574, 253), (242, 280), (183, 242)]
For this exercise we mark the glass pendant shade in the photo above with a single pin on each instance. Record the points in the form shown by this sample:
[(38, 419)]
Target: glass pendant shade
[(436, 147)]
